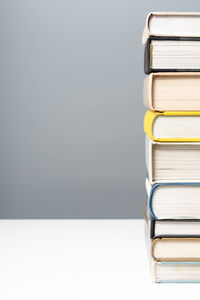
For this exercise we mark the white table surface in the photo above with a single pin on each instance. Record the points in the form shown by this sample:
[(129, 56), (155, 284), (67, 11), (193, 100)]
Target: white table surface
[(79, 259)]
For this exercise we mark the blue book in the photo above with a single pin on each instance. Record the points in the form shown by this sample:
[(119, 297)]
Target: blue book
[(174, 200)]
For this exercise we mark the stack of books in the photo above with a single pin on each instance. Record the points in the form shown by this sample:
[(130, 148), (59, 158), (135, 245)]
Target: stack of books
[(172, 127)]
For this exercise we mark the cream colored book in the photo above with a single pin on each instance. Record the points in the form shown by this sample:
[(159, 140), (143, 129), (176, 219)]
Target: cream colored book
[(177, 54), (176, 249), (183, 24), (172, 91), (172, 162)]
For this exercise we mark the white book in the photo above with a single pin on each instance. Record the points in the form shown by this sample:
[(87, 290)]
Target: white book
[(172, 162), (176, 249), (174, 228), (172, 24), (175, 272), (175, 55), (176, 127)]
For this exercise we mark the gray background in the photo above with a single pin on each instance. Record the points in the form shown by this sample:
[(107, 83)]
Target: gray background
[(71, 109)]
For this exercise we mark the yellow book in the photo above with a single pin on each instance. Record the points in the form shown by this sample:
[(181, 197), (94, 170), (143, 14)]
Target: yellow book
[(173, 126)]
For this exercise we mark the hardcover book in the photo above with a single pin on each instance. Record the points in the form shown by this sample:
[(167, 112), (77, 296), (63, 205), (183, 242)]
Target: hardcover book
[(172, 162), (172, 54), (172, 126), (174, 201), (175, 249), (172, 91), (172, 24), (175, 272)]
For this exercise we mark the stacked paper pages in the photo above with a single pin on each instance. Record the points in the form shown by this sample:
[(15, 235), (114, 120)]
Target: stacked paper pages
[(172, 127)]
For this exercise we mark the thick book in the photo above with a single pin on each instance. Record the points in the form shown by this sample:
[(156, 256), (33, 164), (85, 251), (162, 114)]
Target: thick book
[(172, 162), (172, 126), (172, 24), (172, 91), (172, 54)]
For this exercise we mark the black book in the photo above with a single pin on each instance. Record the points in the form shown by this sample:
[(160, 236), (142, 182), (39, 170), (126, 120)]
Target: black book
[(172, 54)]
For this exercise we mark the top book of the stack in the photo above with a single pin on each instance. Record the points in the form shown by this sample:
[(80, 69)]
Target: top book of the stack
[(172, 24), (172, 42)]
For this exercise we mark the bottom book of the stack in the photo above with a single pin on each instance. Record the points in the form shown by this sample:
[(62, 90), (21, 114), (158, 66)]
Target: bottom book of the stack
[(179, 271)]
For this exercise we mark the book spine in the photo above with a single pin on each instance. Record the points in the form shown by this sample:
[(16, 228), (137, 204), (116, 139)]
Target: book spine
[(152, 227), (146, 32), (148, 157), (148, 123), (147, 92), (147, 57)]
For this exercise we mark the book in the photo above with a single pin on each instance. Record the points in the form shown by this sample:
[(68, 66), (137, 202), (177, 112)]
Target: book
[(174, 201), (172, 162), (172, 126), (172, 54), (175, 272), (172, 91), (175, 249), (172, 24), (173, 228)]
